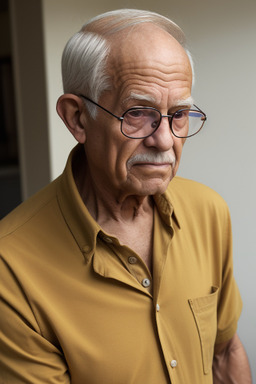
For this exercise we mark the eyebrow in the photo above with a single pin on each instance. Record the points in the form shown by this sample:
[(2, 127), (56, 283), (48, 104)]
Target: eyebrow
[(184, 102), (136, 96)]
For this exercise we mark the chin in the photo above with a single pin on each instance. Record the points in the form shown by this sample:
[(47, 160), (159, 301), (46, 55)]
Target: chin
[(146, 186), (155, 188)]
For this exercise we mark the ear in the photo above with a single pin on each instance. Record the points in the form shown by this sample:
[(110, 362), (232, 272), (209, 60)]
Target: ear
[(70, 109)]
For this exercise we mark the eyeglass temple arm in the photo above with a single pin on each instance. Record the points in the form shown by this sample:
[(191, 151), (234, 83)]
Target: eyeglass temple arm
[(205, 117), (104, 109)]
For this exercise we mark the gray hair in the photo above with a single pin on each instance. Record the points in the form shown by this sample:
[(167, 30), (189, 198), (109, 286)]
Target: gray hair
[(85, 54)]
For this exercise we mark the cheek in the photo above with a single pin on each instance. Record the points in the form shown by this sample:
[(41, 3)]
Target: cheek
[(178, 146), (115, 153), (124, 153)]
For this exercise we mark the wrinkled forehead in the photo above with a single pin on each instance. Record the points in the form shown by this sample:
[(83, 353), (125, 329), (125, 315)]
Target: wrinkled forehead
[(144, 51)]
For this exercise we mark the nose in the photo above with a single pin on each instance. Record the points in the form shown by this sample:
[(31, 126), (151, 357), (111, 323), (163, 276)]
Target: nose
[(162, 138)]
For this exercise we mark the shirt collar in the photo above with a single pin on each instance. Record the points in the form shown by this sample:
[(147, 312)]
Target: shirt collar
[(81, 224), (165, 207)]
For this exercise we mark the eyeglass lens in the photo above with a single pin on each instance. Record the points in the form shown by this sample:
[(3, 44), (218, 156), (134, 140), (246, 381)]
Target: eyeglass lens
[(139, 122)]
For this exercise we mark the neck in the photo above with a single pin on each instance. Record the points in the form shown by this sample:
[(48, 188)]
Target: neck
[(102, 204)]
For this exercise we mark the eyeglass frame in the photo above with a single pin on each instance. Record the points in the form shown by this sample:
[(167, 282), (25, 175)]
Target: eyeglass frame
[(121, 118)]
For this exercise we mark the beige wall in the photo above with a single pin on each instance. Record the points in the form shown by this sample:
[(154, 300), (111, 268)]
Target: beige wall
[(221, 36)]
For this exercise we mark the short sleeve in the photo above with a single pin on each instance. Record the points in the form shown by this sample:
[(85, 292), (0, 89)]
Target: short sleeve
[(230, 302)]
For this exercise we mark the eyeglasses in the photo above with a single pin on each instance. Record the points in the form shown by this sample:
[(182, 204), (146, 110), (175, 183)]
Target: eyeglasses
[(142, 122)]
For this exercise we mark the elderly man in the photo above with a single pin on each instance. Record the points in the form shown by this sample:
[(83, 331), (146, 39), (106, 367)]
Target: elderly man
[(112, 274)]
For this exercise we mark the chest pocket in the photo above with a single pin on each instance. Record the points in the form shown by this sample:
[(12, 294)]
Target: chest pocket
[(205, 314)]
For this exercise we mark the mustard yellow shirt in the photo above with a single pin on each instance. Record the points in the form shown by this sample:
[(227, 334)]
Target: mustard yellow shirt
[(78, 307)]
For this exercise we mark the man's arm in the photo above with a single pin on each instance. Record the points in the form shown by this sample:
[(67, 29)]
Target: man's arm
[(230, 363), (26, 356)]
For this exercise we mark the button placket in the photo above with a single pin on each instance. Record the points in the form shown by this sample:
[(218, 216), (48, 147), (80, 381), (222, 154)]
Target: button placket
[(137, 268), (133, 262)]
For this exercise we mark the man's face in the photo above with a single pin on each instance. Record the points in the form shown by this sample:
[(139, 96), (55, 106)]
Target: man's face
[(148, 68)]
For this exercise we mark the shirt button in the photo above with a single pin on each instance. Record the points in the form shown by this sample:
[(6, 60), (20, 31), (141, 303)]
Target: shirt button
[(157, 307), (108, 240), (174, 363), (86, 249), (146, 283), (132, 260)]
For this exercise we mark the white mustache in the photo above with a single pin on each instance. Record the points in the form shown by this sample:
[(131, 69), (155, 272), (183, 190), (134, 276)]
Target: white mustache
[(152, 158)]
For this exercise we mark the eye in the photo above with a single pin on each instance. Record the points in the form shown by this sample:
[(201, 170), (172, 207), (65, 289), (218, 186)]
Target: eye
[(135, 113), (181, 114)]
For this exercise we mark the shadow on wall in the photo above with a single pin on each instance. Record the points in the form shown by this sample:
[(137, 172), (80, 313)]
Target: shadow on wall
[(10, 191), (10, 188)]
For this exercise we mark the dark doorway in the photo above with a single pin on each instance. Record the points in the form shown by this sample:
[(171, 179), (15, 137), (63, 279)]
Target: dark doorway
[(10, 185)]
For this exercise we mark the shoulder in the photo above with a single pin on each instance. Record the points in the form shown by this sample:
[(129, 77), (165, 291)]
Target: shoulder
[(27, 211), (181, 188), (196, 198)]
